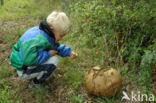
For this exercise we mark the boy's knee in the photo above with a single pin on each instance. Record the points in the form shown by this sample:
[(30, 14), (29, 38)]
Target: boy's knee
[(52, 60)]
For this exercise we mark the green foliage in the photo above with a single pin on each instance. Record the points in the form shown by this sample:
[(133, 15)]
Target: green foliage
[(120, 30), (124, 70), (74, 77), (148, 63), (7, 95), (77, 99), (41, 94), (108, 100)]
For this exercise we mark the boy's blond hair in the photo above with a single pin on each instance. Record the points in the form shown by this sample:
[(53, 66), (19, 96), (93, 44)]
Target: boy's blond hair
[(59, 21)]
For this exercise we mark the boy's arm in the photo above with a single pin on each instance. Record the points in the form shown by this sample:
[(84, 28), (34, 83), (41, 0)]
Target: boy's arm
[(42, 56), (32, 54), (65, 51)]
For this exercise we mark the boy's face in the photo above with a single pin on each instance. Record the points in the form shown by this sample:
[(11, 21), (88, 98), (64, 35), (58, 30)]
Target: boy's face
[(58, 36)]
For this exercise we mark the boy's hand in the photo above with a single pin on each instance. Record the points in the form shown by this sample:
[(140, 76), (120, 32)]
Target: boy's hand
[(53, 52), (73, 55)]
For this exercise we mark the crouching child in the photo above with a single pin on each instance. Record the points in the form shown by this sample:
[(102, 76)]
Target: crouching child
[(34, 55)]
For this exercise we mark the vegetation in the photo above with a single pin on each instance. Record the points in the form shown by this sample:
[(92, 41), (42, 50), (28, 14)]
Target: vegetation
[(117, 33)]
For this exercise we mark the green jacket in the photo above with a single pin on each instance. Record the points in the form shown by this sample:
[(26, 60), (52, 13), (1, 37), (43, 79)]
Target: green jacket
[(32, 48)]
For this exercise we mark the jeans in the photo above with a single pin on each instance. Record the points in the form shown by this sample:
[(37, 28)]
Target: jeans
[(40, 72)]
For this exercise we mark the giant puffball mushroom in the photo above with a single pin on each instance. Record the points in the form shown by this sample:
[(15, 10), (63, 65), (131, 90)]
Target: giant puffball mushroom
[(103, 82)]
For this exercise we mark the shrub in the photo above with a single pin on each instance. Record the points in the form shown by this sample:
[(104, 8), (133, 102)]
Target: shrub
[(120, 30), (148, 63)]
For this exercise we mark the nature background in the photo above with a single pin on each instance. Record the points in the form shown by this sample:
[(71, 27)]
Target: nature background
[(117, 33)]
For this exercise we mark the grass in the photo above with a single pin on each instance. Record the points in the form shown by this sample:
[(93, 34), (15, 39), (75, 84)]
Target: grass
[(5, 72), (74, 77), (14, 9), (7, 95), (16, 16), (76, 99)]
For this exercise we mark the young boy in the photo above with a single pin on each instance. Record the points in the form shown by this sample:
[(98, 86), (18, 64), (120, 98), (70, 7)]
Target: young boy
[(34, 53)]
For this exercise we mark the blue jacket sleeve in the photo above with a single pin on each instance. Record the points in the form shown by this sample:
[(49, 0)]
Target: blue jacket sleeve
[(63, 50), (42, 56)]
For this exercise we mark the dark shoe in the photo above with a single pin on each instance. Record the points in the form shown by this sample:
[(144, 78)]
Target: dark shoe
[(32, 84), (35, 85)]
